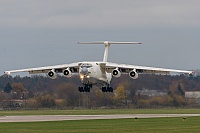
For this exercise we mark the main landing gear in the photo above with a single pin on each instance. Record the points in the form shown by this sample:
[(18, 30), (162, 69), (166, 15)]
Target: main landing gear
[(86, 88), (107, 89)]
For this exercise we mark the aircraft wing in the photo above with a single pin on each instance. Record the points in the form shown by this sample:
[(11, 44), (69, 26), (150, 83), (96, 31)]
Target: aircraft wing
[(57, 68), (124, 68)]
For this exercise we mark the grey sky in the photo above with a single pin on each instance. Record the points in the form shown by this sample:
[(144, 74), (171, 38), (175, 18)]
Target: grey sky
[(36, 33)]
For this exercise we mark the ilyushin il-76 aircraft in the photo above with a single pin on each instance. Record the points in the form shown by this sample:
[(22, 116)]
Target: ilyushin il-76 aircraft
[(98, 73)]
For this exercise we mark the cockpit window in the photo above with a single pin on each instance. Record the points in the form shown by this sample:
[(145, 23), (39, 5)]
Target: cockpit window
[(87, 65)]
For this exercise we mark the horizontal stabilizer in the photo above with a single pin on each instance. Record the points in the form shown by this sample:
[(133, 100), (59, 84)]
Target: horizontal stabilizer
[(107, 45), (109, 42)]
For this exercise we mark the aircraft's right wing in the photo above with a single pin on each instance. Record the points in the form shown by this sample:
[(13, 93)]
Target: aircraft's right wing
[(57, 68)]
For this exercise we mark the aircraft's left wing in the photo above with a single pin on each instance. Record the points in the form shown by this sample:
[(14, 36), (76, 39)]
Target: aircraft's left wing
[(124, 68), (57, 68)]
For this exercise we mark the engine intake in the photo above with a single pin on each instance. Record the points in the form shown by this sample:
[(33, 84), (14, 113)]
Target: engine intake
[(67, 73), (116, 73), (133, 74), (52, 74)]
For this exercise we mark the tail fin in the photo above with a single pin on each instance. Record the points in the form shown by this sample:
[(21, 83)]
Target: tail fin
[(107, 46)]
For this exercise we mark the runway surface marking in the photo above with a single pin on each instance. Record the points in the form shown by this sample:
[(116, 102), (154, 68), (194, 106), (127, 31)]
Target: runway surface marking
[(37, 118)]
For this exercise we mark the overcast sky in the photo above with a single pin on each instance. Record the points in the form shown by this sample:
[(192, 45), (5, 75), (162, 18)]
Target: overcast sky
[(37, 33)]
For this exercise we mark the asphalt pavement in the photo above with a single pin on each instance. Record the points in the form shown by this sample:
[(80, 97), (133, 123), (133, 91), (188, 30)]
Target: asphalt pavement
[(37, 118)]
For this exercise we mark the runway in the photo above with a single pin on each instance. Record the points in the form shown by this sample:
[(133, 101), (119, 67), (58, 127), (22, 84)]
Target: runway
[(39, 118)]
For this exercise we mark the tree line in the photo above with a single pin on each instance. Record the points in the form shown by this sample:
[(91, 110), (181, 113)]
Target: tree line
[(42, 92)]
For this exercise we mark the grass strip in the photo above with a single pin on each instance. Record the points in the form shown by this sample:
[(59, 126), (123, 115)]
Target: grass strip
[(99, 112), (147, 125)]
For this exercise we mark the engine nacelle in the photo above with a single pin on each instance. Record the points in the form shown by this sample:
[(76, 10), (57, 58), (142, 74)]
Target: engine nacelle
[(52, 74), (133, 74), (67, 73), (116, 73)]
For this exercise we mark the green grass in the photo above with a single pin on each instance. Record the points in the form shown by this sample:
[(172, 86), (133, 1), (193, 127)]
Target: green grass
[(99, 112), (150, 125)]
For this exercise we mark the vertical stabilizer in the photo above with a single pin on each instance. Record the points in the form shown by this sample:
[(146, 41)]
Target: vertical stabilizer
[(107, 46)]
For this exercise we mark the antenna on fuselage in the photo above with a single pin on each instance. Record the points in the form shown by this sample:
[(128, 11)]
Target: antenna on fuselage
[(107, 46)]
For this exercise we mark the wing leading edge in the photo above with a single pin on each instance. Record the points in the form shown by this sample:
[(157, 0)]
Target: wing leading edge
[(124, 68), (57, 68)]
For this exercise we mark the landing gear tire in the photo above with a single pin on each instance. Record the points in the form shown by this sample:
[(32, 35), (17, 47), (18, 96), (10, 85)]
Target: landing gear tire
[(111, 89), (104, 89), (80, 89), (107, 89), (86, 88)]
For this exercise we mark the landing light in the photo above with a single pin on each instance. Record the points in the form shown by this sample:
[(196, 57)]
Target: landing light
[(84, 76), (81, 76)]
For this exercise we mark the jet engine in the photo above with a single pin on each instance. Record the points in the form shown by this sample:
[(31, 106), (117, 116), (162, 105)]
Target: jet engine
[(133, 74), (52, 74), (116, 73), (67, 73)]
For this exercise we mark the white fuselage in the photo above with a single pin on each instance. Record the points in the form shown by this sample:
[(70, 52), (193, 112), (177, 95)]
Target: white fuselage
[(93, 73)]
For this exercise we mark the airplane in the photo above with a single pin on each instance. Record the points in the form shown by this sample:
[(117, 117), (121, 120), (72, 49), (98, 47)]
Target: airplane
[(98, 73)]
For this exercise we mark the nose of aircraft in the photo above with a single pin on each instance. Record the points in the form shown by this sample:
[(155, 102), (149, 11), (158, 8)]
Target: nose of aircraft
[(84, 71)]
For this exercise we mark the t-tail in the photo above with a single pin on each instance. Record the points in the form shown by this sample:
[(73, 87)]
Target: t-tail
[(107, 46)]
